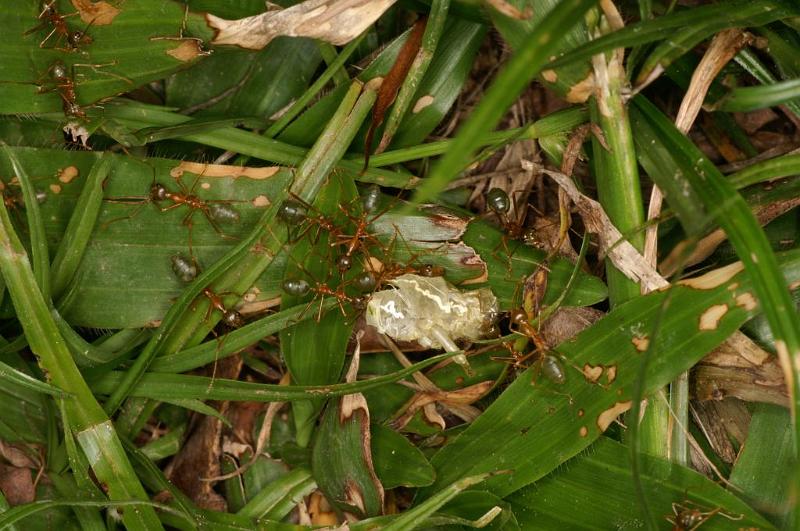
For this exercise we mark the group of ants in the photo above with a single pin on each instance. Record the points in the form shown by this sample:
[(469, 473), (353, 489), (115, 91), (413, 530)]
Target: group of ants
[(303, 220), (293, 212)]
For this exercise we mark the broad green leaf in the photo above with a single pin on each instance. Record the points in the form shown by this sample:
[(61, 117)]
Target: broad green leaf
[(397, 461), (732, 214), (763, 468), (341, 458), (596, 491), (139, 44), (245, 83), (552, 423)]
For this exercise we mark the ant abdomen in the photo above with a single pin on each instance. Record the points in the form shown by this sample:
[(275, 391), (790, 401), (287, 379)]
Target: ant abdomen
[(222, 212), (552, 369), (498, 201), (296, 287), (233, 319), (291, 212), (371, 198), (184, 268)]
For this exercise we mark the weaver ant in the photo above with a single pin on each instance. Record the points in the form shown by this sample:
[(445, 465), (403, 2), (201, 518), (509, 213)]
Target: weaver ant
[(50, 16), (548, 364), (64, 84), (364, 282), (686, 518), (231, 318), (295, 212), (498, 201), (215, 211), (361, 238)]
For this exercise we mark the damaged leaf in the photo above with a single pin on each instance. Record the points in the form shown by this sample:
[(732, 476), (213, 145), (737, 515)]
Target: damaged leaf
[(334, 21)]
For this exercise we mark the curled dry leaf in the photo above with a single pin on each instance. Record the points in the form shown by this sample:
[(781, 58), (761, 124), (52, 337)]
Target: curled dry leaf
[(334, 21)]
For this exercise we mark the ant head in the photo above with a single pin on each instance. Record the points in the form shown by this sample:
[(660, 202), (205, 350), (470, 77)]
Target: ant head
[(498, 201), (58, 70), (233, 319), (344, 262), (158, 192), (296, 287), (292, 212), (430, 270), (359, 303), (79, 37), (517, 316)]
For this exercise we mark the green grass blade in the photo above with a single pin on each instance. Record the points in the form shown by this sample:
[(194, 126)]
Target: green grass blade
[(744, 99), (765, 171), (551, 423), (733, 214), (277, 499), (602, 481), (90, 423), (79, 230), (12, 375), (713, 17), (763, 468), (38, 240), (158, 386)]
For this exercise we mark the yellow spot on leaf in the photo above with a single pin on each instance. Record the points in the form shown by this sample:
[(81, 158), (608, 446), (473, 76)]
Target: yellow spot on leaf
[(584, 431), (714, 278), (592, 373), (605, 418), (611, 374), (580, 413), (55, 188), (261, 201), (205, 186), (96, 13), (641, 343), (423, 102), (186, 51), (710, 318), (746, 301), (551, 76), (68, 174), (223, 170), (580, 92)]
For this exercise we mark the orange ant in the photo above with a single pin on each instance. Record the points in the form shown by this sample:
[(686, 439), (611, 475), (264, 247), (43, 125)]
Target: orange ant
[(295, 212), (364, 282), (548, 364), (686, 518), (361, 237), (231, 318), (50, 16), (215, 211), (64, 84)]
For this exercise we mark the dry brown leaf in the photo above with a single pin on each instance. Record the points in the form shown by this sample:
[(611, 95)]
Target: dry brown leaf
[(96, 13), (334, 21), (624, 256), (16, 484)]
